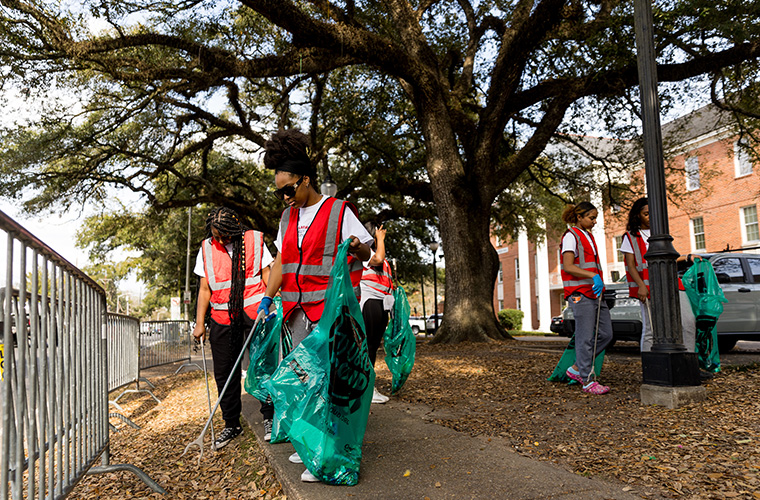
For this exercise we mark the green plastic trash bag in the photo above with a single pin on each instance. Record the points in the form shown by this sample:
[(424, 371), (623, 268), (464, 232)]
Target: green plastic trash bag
[(324, 386), (264, 354), (399, 341), (279, 435), (568, 359), (706, 298)]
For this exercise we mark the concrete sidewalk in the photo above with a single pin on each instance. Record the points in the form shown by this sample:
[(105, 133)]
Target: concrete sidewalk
[(441, 464)]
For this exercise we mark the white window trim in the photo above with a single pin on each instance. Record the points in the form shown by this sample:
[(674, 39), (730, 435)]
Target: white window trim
[(745, 240), (689, 179), (740, 155), (692, 235), (517, 269)]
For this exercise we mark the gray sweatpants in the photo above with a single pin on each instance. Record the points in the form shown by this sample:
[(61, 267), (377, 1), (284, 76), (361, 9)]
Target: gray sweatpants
[(688, 325), (584, 311), (299, 327)]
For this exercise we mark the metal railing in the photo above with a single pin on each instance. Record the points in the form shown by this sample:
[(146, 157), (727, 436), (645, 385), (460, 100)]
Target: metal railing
[(54, 387), (165, 342)]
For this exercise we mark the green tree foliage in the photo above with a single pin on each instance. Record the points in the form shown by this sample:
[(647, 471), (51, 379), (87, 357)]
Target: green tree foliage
[(430, 114)]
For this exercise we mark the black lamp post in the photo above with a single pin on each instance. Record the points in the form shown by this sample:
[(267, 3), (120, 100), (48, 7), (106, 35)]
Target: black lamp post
[(667, 364), (434, 247)]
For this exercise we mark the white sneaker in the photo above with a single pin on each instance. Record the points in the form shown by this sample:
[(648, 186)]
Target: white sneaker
[(378, 398), (295, 459), (308, 477)]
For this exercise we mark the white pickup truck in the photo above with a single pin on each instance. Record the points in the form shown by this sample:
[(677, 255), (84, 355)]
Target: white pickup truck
[(418, 324)]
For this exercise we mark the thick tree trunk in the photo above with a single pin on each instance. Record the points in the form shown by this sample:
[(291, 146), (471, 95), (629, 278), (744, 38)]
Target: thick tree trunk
[(464, 220)]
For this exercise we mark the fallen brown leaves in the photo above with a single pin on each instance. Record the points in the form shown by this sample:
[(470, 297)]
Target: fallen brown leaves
[(237, 472), (706, 450)]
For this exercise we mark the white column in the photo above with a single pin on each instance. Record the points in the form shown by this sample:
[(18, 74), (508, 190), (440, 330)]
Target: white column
[(525, 278), (598, 233), (542, 284)]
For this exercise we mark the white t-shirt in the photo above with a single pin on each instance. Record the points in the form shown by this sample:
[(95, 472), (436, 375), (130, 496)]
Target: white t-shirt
[(369, 292), (626, 246), (569, 243), (266, 259), (351, 225)]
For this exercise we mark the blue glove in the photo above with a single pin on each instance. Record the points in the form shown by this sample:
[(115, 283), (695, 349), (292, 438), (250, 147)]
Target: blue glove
[(597, 287), (264, 306)]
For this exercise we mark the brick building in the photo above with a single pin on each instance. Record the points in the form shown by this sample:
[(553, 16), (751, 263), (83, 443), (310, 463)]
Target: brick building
[(713, 186)]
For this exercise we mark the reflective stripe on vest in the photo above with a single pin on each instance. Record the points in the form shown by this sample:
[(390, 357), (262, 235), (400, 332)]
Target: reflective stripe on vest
[(306, 266), (639, 249), (380, 280), (218, 271), (587, 259)]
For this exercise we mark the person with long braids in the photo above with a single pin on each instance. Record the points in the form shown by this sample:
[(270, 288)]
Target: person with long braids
[(311, 228), (583, 284), (233, 263)]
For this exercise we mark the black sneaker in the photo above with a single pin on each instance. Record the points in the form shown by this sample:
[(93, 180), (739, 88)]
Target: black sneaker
[(267, 429), (227, 435)]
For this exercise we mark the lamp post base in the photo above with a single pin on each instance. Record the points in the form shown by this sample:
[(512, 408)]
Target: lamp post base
[(671, 397), (670, 368)]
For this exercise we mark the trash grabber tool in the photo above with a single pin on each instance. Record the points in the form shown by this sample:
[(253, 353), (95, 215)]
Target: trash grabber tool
[(592, 373), (233, 373), (208, 391)]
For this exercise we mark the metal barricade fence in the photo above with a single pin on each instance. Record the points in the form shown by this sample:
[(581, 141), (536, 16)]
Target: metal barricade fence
[(165, 342), (53, 371), (123, 350)]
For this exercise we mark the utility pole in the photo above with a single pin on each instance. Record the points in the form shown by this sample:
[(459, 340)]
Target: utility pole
[(186, 298)]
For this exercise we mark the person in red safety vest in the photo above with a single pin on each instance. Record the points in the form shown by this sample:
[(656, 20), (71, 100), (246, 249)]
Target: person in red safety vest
[(311, 229), (377, 298), (583, 284), (233, 265), (634, 247)]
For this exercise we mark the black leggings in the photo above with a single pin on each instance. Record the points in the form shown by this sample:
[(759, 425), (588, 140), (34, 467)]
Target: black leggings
[(375, 319), (224, 353)]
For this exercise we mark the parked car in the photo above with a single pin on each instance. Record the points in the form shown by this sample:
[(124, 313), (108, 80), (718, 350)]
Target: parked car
[(417, 323), (430, 322), (739, 278)]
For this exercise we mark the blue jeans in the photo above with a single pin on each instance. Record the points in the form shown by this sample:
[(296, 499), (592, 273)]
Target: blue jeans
[(585, 310)]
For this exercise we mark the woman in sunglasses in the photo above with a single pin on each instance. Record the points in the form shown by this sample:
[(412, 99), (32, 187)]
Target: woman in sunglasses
[(311, 228)]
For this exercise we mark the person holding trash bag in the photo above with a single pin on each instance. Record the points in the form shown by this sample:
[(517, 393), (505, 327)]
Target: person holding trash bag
[(377, 298), (311, 228), (583, 284), (233, 263), (635, 245)]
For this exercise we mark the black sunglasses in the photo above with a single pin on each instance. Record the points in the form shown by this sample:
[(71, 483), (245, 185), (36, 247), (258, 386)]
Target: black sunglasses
[(289, 191)]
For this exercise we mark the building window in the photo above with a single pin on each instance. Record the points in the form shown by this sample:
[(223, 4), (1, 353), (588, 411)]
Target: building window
[(517, 302), (618, 245), (749, 221), (501, 272), (698, 234), (517, 269), (501, 305), (742, 159), (692, 173)]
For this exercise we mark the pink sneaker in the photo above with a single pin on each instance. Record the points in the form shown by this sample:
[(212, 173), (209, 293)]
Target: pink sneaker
[(596, 388), (574, 376)]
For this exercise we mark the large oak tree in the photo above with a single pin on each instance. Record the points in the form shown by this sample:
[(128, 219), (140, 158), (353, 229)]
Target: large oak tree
[(413, 104)]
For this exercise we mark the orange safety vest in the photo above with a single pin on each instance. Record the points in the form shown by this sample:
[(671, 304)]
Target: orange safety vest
[(586, 259), (639, 249), (379, 278), (218, 270), (306, 267)]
